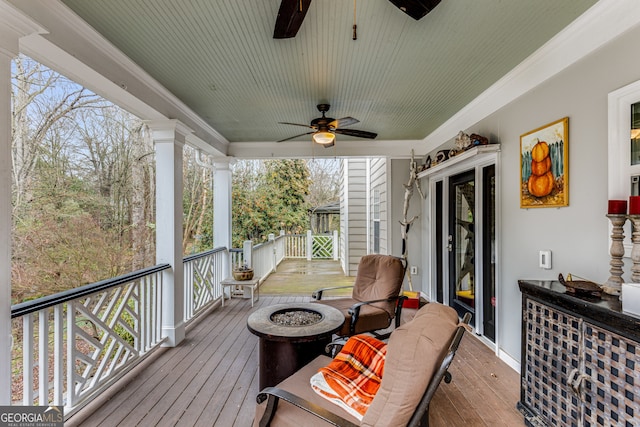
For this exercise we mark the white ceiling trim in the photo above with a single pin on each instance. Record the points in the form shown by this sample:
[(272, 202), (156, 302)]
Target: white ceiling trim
[(308, 149), (602, 23)]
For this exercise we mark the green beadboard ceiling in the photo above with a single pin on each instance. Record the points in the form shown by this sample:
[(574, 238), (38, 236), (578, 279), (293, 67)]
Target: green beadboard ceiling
[(401, 78)]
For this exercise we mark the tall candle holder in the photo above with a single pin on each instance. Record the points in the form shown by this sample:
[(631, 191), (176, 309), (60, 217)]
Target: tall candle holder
[(613, 286), (635, 249)]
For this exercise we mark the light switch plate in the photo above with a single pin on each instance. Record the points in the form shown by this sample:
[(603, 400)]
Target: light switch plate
[(544, 259)]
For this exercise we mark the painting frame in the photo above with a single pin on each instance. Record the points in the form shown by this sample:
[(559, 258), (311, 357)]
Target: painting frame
[(544, 166)]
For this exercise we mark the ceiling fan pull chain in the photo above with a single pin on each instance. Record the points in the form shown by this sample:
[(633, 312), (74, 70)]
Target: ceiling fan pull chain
[(355, 27)]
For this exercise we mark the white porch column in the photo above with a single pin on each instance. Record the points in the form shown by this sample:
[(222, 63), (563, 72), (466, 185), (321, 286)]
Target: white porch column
[(5, 227), (222, 180), (13, 26), (169, 136)]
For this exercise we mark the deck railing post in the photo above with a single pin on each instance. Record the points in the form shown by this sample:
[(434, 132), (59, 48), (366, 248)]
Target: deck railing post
[(309, 245), (336, 252), (274, 259), (247, 253)]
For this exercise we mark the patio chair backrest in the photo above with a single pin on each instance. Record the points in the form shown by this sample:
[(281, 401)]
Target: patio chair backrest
[(379, 277), (415, 351)]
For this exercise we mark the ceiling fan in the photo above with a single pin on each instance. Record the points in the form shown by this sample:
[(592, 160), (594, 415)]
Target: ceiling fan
[(292, 13), (325, 128)]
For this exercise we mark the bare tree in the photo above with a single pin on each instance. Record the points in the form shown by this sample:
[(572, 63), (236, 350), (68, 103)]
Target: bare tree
[(78, 163), (34, 115), (325, 181), (143, 199), (198, 202)]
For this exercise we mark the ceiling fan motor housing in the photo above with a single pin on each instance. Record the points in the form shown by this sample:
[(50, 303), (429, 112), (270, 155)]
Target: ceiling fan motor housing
[(322, 123)]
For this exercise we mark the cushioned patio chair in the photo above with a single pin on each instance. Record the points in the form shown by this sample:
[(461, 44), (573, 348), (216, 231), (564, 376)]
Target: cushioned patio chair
[(374, 301), (418, 356)]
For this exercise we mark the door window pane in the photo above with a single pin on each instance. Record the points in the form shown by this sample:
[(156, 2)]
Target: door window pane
[(462, 280)]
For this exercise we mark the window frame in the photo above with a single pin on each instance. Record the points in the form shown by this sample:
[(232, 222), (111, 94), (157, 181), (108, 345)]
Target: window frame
[(620, 169)]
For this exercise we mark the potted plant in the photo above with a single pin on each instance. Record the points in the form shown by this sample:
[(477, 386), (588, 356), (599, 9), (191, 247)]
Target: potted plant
[(243, 272)]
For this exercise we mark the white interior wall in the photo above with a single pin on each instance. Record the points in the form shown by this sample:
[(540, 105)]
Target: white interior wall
[(577, 235)]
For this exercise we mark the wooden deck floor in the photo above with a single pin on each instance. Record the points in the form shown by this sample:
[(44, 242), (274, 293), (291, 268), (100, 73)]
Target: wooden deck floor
[(211, 378)]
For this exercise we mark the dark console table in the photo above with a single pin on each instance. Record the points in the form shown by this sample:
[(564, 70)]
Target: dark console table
[(580, 359)]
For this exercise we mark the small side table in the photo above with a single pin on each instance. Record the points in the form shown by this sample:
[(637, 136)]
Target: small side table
[(251, 284)]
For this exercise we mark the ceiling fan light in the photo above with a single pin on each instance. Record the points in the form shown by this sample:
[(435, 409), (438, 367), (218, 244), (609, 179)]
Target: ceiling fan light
[(323, 138)]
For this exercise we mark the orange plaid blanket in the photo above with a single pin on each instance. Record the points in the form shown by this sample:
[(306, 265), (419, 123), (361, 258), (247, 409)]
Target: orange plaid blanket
[(353, 377)]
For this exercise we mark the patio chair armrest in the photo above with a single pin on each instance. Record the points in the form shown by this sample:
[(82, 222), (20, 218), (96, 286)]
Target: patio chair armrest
[(273, 396), (335, 346), (317, 294), (354, 311)]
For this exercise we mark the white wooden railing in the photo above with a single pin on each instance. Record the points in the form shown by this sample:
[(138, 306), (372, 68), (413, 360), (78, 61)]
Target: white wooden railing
[(70, 346), (296, 246), (310, 246), (263, 258), (202, 275)]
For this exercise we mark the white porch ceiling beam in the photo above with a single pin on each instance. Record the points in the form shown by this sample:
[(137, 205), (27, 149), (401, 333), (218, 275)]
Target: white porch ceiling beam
[(308, 149)]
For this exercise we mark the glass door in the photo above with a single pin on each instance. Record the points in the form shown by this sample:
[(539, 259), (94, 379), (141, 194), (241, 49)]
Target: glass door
[(489, 252), (461, 243)]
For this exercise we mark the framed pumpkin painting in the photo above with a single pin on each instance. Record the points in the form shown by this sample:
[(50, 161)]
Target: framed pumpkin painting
[(544, 166)]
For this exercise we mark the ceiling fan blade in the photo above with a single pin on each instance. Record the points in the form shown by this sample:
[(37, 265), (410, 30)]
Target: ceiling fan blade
[(296, 124), (355, 132), (345, 121), (416, 9), (296, 136), (290, 17)]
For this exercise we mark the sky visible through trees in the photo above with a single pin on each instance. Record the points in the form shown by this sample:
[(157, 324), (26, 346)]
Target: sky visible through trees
[(83, 189)]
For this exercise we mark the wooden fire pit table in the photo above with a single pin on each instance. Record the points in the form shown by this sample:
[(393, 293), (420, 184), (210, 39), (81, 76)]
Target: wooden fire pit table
[(288, 344)]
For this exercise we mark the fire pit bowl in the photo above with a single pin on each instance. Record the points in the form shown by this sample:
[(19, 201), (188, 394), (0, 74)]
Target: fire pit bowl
[(296, 317)]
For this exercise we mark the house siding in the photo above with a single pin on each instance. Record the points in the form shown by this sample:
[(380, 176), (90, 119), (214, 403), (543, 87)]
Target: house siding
[(353, 204)]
